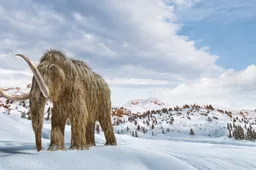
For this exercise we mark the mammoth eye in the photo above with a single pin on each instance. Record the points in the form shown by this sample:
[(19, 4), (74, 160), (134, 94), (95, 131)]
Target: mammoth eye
[(51, 67)]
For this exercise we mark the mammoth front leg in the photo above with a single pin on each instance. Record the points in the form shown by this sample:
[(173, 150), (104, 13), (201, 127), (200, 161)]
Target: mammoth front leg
[(78, 130), (58, 129), (90, 131)]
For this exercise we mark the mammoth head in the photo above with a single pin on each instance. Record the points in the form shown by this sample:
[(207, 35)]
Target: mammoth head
[(49, 80)]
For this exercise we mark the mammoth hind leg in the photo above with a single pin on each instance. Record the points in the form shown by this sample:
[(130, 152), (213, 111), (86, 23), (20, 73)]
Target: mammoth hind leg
[(90, 131), (107, 127), (57, 131)]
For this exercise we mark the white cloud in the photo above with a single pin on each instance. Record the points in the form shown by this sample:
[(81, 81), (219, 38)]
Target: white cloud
[(128, 42), (138, 36), (37, 21), (134, 81), (13, 78), (142, 34), (234, 89)]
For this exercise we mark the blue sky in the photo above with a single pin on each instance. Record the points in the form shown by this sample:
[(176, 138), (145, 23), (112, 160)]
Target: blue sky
[(227, 27), (204, 53)]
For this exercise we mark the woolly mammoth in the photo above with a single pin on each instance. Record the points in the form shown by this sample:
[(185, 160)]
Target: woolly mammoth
[(76, 92)]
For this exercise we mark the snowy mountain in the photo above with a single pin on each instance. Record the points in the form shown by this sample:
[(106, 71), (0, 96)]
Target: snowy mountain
[(159, 137), (143, 105)]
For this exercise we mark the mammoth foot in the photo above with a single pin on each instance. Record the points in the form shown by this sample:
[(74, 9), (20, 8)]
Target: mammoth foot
[(75, 147), (38, 148), (110, 143), (91, 144), (55, 148)]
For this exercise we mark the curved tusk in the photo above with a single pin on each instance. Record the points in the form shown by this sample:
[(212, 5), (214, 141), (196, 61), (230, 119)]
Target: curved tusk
[(43, 87), (15, 98)]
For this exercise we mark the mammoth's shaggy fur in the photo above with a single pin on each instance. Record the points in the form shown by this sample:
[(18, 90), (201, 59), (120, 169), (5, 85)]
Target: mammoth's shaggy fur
[(77, 93)]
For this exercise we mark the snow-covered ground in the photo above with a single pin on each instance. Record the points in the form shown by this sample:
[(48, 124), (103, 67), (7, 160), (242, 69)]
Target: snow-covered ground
[(18, 152), (209, 148)]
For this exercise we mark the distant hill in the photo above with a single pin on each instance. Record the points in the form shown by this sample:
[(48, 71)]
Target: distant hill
[(143, 105), (151, 117)]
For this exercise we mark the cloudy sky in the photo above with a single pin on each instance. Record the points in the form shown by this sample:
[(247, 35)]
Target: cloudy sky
[(179, 51)]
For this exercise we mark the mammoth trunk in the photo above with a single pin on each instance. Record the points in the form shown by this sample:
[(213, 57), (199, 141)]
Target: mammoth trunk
[(37, 103), (37, 115)]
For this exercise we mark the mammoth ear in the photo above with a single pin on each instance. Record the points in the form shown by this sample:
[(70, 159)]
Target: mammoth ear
[(56, 74), (72, 73)]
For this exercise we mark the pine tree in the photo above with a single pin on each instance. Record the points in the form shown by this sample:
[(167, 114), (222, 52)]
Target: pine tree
[(9, 111), (172, 120), (97, 128), (138, 128), (23, 115), (147, 122), (29, 117), (117, 123), (135, 122), (49, 112), (241, 133), (230, 135), (144, 130), (191, 132), (68, 122), (7, 101), (136, 134), (254, 135), (249, 134)]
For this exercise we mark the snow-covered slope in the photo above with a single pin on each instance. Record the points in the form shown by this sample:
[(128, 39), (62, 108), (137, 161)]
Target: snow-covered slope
[(143, 105), (178, 122), (18, 152), (163, 140)]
